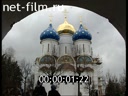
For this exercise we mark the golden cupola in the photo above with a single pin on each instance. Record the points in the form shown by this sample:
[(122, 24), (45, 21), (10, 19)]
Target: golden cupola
[(66, 28)]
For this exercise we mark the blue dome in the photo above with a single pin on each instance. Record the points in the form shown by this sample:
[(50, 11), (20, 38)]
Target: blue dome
[(49, 33), (81, 33)]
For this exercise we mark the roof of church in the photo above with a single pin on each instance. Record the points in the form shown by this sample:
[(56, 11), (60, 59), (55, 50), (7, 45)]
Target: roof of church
[(65, 26), (81, 33), (50, 32)]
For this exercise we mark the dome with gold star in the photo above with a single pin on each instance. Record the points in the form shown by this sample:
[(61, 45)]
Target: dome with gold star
[(66, 28)]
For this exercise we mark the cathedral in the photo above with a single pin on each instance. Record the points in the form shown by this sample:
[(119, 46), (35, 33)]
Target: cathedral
[(67, 51)]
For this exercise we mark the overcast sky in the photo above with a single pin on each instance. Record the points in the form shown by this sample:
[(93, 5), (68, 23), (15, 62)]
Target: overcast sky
[(107, 42)]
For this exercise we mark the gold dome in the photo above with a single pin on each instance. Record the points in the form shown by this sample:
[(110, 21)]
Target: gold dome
[(65, 28)]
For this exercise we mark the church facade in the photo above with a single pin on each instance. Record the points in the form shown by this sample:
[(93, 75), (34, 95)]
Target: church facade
[(67, 52)]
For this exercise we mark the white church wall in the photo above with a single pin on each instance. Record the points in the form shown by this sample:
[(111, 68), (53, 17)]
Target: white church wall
[(65, 44), (49, 46), (68, 89), (47, 87), (83, 47)]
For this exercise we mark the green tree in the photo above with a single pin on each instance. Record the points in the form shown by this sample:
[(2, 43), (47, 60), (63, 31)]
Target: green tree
[(11, 72)]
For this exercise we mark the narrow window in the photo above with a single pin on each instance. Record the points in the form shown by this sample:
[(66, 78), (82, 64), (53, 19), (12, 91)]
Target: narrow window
[(48, 47), (89, 48), (91, 52), (83, 48), (77, 48), (65, 49), (54, 48), (59, 49), (42, 48)]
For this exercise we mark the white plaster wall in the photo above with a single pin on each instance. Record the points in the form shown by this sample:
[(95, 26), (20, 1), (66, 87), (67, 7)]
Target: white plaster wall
[(51, 43), (65, 40), (68, 89), (79, 47)]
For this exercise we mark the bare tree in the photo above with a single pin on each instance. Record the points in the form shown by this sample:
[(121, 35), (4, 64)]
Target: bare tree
[(30, 81), (26, 71), (10, 52), (122, 81), (81, 63)]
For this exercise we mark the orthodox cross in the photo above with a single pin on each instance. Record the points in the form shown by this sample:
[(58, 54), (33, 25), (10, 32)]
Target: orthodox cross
[(80, 19), (50, 18), (65, 13), (81, 22)]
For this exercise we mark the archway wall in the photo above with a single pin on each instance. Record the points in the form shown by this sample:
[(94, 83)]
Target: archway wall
[(114, 10)]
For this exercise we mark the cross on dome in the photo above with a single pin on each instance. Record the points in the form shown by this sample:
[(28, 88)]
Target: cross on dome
[(65, 26), (81, 23), (65, 13), (50, 16), (80, 19)]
